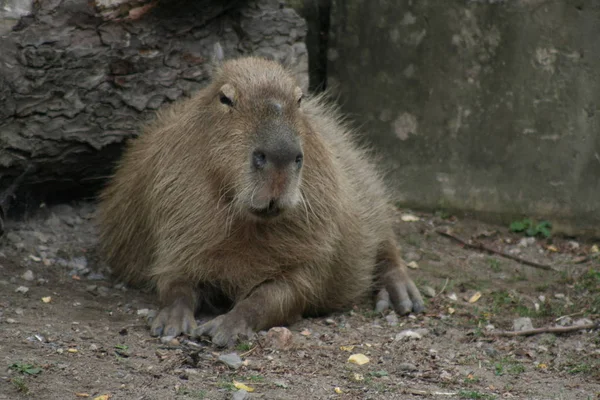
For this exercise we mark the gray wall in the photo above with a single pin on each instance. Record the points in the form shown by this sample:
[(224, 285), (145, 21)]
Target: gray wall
[(491, 107)]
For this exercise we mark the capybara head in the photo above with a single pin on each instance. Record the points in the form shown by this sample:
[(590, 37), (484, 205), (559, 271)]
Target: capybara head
[(255, 136)]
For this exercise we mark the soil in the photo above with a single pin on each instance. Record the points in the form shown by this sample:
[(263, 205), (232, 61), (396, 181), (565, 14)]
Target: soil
[(67, 331)]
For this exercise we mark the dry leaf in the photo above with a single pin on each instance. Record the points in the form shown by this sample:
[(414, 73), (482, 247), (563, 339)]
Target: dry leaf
[(358, 358), (475, 297), (47, 299), (595, 249), (72, 350), (338, 390), (346, 348), (409, 218), (451, 310), (34, 258), (542, 366), (552, 248), (82, 395), (103, 397), (413, 265), (76, 277), (241, 386), (305, 332)]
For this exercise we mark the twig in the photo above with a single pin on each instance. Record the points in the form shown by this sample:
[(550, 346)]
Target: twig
[(555, 329), (443, 288), (480, 246), (428, 393)]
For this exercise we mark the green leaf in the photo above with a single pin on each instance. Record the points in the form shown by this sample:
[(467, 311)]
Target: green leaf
[(33, 371), (517, 226)]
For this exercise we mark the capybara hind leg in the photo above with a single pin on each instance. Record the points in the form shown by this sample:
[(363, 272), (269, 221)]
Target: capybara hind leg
[(396, 288), (177, 311)]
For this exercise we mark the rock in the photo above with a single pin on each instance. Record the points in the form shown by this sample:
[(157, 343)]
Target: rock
[(428, 291), (565, 321), (412, 256), (13, 238), (22, 289), (413, 265), (279, 337), (392, 319), (93, 347), (169, 340), (407, 367), (28, 275), (489, 327), (11, 320), (522, 324), (232, 360), (96, 276), (410, 334), (330, 321), (491, 352), (525, 242), (582, 321), (143, 312), (453, 296), (241, 395)]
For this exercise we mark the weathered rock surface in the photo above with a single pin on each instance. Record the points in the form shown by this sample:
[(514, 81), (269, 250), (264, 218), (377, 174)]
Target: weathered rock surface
[(74, 87)]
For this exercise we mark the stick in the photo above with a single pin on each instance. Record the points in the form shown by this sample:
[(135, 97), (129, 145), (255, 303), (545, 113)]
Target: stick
[(479, 246), (555, 329)]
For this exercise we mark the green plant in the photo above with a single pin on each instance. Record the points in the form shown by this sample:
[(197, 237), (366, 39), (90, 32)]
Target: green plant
[(530, 228), (19, 384), (27, 369), (494, 264), (243, 346)]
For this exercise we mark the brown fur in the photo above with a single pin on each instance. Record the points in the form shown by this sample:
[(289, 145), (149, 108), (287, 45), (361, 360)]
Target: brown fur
[(173, 216)]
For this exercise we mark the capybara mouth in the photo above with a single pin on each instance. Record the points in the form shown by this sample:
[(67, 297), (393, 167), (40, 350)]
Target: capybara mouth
[(270, 211)]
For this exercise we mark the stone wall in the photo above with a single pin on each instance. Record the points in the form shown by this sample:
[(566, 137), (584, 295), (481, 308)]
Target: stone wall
[(490, 107)]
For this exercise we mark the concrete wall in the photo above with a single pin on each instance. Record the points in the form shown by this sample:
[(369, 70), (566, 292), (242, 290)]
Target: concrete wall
[(484, 106)]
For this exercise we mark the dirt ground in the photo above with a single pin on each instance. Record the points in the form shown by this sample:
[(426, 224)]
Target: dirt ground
[(68, 332)]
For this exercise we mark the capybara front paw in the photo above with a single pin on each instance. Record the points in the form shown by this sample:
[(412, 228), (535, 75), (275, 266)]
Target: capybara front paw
[(173, 320), (224, 330), (400, 294)]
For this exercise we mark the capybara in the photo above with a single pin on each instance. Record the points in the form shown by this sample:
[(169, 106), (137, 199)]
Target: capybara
[(254, 201)]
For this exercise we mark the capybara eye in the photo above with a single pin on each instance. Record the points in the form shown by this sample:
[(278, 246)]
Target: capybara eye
[(259, 159), (299, 160), (226, 100)]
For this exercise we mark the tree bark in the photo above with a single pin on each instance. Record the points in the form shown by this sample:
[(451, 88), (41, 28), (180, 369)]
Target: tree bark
[(76, 79)]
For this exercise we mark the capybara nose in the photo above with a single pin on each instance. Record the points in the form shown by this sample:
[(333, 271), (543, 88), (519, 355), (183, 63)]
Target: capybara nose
[(278, 157)]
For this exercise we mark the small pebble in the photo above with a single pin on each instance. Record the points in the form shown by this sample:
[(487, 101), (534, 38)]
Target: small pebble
[(428, 291), (93, 347), (408, 334), (241, 395), (170, 340), (413, 265), (28, 275), (392, 319), (143, 312), (279, 337), (407, 367), (22, 289), (522, 324), (11, 320), (330, 321), (232, 360)]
